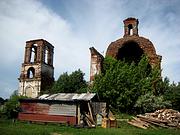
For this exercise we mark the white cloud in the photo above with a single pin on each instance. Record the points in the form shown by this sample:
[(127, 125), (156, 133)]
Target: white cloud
[(89, 23), (33, 21)]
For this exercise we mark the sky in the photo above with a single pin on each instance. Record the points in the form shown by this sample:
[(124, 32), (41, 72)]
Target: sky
[(72, 26)]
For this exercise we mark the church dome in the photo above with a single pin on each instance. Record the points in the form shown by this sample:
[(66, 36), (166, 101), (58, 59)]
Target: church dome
[(131, 47)]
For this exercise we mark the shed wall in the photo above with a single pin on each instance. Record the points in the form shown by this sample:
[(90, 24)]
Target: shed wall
[(48, 112)]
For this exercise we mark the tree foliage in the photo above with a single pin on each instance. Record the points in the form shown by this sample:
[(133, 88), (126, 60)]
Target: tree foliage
[(120, 84), (172, 94), (149, 103), (11, 107), (70, 83)]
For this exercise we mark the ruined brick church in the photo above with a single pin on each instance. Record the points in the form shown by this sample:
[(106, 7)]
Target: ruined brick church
[(130, 47), (37, 71)]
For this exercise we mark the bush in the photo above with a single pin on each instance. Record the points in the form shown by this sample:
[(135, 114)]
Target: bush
[(173, 95), (11, 107), (149, 103)]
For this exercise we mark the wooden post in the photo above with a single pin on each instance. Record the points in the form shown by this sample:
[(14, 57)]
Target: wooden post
[(79, 114), (90, 111)]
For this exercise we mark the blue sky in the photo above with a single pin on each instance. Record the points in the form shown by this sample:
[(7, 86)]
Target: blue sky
[(73, 26)]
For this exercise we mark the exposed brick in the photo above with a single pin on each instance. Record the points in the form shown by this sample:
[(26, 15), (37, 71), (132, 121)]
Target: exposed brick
[(130, 37), (38, 60)]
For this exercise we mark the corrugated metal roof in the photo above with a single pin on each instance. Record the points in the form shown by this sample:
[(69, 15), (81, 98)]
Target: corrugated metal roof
[(68, 96)]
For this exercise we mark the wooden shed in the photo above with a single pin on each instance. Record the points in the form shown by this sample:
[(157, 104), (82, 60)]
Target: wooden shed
[(60, 108)]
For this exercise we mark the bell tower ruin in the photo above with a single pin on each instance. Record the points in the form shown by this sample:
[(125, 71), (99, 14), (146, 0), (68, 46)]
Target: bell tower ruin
[(131, 27), (37, 71)]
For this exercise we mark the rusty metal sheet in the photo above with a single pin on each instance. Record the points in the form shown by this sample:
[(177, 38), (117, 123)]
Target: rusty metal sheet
[(44, 96), (62, 109), (53, 109), (35, 108), (64, 96), (68, 96), (47, 118)]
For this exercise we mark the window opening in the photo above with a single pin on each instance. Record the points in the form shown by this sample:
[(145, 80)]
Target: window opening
[(130, 29), (46, 55), (31, 73), (33, 53)]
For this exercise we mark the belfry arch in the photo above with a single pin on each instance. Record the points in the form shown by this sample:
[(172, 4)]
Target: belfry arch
[(141, 46), (130, 52)]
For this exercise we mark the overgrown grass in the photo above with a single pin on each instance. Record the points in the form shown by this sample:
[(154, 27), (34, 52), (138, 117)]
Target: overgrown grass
[(123, 116), (7, 127)]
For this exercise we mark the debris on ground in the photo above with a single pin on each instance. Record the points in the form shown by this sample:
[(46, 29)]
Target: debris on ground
[(109, 120), (167, 118)]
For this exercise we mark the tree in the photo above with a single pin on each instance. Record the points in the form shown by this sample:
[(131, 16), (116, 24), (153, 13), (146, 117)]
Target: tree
[(11, 107), (71, 83), (173, 95), (120, 84)]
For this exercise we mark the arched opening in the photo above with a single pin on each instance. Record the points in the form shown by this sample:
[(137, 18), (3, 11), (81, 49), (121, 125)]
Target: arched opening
[(46, 55), (130, 29), (31, 73), (28, 91), (33, 53), (130, 52)]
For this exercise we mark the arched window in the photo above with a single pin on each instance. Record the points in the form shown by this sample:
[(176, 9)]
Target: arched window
[(46, 55), (28, 91), (31, 73), (130, 29), (33, 53), (130, 52)]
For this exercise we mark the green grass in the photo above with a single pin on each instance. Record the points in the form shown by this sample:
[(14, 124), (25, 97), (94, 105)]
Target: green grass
[(7, 127), (123, 116)]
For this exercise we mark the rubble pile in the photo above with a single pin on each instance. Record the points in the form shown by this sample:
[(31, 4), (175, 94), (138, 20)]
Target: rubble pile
[(167, 118)]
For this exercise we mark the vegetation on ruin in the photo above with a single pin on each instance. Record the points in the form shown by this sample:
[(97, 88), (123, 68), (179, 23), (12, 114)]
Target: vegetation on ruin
[(134, 87)]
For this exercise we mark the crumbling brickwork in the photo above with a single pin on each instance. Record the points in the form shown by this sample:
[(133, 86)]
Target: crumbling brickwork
[(143, 43), (37, 71), (96, 63), (131, 38), (131, 47)]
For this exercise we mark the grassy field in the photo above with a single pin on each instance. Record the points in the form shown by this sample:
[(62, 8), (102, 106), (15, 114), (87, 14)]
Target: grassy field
[(7, 127)]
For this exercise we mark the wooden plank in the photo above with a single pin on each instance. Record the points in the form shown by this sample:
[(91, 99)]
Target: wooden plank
[(137, 125), (154, 122), (98, 107), (90, 111), (90, 119), (152, 119), (142, 122), (111, 116), (78, 114), (88, 122)]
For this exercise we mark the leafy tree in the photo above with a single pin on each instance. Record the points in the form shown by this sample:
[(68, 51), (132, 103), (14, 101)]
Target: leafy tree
[(11, 107), (1, 106), (120, 84), (71, 83), (173, 95), (1, 101)]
